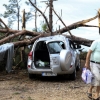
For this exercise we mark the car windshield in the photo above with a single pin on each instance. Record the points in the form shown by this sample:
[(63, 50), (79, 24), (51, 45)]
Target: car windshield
[(54, 47)]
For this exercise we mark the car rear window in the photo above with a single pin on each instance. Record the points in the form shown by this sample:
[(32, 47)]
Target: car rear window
[(54, 47)]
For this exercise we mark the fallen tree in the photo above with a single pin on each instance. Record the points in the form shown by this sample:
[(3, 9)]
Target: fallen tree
[(19, 37), (9, 34)]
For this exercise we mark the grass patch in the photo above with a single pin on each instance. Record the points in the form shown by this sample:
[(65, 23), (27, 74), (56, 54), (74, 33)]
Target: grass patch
[(29, 98), (17, 93)]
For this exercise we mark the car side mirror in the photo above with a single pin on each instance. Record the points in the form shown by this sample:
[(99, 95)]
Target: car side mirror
[(81, 49), (78, 46)]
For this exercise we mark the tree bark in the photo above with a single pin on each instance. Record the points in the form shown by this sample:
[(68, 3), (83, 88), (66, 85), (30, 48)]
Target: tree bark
[(77, 24), (50, 14), (11, 34)]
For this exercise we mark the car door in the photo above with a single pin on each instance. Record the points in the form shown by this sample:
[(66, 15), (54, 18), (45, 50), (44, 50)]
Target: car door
[(60, 58)]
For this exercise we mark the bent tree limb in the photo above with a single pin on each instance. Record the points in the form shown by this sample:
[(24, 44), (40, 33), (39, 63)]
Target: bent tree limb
[(29, 41), (79, 40), (99, 20), (14, 33), (63, 23), (24, 42), (77, 24), (4, 24), (42, 15), (17, 34)]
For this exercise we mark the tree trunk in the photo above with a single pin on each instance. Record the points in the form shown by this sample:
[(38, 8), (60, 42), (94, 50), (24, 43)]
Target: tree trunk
[(50, 14)]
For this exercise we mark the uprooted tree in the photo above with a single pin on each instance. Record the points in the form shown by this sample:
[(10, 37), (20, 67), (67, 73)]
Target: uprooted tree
[(18, 37)]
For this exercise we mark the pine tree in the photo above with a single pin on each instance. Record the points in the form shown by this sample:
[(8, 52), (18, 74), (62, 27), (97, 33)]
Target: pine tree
[(12, 12)]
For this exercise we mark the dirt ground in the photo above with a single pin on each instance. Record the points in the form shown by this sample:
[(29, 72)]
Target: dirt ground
[(17, 86)]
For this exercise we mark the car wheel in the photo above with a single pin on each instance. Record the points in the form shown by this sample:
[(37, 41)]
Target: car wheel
[(73, 75), (31, 76)]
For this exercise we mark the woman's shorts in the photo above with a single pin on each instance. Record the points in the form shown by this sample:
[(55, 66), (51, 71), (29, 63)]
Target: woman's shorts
[(95, 69)]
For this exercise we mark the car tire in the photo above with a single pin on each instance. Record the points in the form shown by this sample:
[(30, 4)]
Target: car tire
[(31, 76), (73, 75)]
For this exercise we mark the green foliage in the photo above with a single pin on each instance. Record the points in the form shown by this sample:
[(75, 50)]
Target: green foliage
[(3, 63), (28, 16), (34, 29), (44, 27), (1, 34), (29, 98), (17, 58), (10, 23), (12, 10)]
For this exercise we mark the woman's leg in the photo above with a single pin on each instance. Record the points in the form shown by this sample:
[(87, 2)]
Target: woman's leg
[(96, 79), (97, 92), (90, 89)]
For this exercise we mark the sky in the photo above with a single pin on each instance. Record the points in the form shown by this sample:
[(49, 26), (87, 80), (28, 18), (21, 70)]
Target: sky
[(72, 11)]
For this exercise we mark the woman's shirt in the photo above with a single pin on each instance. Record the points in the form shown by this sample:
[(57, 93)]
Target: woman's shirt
[(95, 47)]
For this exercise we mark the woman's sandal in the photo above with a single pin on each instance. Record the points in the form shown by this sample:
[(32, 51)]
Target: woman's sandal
[(90, 96), (96, 99)]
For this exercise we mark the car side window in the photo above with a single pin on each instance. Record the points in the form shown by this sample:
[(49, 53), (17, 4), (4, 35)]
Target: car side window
[(54, 47), (62, 45)]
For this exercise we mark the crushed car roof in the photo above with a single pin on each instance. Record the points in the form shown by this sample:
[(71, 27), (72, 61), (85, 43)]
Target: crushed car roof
[(55, 37)]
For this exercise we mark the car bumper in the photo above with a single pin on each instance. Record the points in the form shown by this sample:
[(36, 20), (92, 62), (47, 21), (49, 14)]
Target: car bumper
[(40, 71)]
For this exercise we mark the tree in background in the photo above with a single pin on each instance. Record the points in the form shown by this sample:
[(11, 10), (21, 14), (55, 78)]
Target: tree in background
[(9, 35), (12, 12), (35, 13), (44, 27)]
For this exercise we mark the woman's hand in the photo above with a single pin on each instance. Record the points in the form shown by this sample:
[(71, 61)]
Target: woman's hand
[(87, 66)]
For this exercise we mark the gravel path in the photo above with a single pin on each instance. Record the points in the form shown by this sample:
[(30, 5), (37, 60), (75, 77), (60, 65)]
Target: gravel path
[(18, 86)]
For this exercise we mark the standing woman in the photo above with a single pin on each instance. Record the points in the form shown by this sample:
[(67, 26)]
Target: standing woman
[(93, 63)]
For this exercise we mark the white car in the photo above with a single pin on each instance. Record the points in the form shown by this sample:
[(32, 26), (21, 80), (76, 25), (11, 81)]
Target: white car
[(53, 55)]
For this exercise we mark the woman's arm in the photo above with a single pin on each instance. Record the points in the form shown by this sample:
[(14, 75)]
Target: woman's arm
[(87, 63)]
